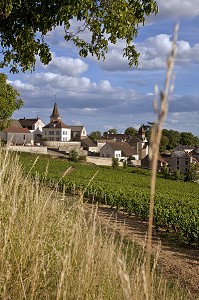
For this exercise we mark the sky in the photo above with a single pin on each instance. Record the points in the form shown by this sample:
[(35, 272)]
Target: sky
[(108, 94)]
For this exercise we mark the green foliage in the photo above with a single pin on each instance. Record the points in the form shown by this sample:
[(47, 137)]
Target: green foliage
[(178, 175), (9, 101), (82, 158), (110, 131), (115, 163), (193, 172), (176, 202), (73, 155), (94, 135), (187, 138), (131, 131), (172, 138), (165, 172), (24, 25)]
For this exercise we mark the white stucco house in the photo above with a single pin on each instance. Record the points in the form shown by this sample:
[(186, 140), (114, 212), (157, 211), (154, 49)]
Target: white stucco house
[(32, 124), (120, 150), (56, 130), (17, 136)]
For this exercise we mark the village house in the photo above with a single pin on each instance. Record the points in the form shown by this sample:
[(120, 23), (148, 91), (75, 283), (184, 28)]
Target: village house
[(16, 134), (147, 164), (180, 160), (120, 150), (35, 126), (77, 132)]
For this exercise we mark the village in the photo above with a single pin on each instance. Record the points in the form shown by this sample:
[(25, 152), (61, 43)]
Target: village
[(57, 138)]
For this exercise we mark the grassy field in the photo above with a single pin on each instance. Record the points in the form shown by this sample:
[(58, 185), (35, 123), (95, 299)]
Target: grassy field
[(51, 250)]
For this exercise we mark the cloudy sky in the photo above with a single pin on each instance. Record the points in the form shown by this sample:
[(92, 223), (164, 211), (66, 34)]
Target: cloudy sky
[(108, 94)]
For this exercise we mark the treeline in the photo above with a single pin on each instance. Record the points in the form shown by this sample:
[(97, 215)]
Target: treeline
[(170, 138)]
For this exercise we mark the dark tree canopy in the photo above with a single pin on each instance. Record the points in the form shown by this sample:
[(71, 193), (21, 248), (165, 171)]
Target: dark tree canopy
[(94, 135), (9, 101), (131, 131), (24, 25)]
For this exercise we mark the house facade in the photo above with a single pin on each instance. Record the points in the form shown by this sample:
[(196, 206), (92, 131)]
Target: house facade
[(77, 132), (17, 136), (147, 163), (120, 150), (32, 124), (180, 160)]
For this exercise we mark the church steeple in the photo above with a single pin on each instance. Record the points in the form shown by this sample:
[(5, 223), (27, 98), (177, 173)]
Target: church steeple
[(55, 117)]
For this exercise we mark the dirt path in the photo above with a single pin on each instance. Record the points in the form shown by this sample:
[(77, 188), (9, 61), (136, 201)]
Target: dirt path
[(176, 261)]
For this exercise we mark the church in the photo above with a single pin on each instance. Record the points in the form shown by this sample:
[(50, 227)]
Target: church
[(56, 130)]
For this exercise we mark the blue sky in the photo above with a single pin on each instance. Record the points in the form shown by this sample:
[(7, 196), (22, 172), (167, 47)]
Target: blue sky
[(108, 94)]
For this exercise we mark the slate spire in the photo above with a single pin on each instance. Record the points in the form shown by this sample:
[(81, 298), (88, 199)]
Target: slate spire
[(55, 117)]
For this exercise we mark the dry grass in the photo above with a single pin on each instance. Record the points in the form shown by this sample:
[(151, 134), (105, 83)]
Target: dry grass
[(51, 250)]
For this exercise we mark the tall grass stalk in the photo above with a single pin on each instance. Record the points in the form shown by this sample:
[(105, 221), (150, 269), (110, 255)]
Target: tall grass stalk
[(155, 139), (52, 249)]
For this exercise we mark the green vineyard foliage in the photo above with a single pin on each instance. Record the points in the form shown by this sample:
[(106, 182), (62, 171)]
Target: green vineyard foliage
[(176, 207)]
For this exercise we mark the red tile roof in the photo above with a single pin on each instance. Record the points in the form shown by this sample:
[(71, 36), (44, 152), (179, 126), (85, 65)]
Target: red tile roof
[(56, 125), (17, 130)]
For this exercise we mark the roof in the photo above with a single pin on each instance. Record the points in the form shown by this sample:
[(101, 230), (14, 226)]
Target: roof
[(28, 122), (183, 147), (17, 130), (134, 140), (123, 146), (141, 130), (15, 123), (55, 114), (180, 153), (88, 142), (57, 124), (117, 136), (76, 128)]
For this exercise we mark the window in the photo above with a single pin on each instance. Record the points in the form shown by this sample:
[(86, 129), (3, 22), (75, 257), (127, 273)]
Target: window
[(65, 139), (57, 132), (52, 139), (45, 132), (24, 137), (177, 161), (64, 132), (52, 132), (186, 162), (57, 139)]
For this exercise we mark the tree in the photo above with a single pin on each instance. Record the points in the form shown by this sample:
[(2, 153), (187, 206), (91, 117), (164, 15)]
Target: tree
[(187, 138), (131, 131), (24, 25), (94, 135), (193, 172), (110, 131), (147, 127), (73, 155), (164, 143), (9, 101)]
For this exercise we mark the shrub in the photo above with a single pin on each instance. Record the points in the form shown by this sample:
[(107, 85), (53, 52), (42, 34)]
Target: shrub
[(115, 163)]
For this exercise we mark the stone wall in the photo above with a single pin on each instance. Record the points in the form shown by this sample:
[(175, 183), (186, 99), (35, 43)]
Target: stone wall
[(62, 146), (31, 149), (101, 161)]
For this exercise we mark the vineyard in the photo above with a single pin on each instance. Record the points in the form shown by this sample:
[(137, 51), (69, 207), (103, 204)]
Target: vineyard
[(176, 207)]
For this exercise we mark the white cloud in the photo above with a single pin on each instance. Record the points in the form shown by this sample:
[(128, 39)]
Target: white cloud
[(153, 54), (177, 8), (66, 66)]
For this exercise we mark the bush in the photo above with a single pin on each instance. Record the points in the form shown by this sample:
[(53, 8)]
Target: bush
[(82, 158), (73, 155), (115, 163)]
